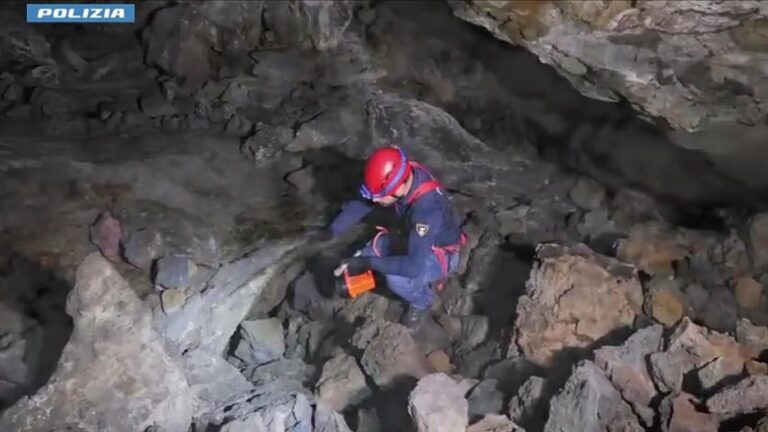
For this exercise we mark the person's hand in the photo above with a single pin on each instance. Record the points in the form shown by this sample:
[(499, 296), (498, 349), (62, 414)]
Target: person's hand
[(357, 265)]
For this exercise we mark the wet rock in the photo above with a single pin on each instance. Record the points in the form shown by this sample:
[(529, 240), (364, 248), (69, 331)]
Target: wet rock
[(691, 347), (437, 404), (119, 385), (261, 341), (754, 337), (588, 402), (559, 309), (341, 383), (665, 303), (587, 194), (626, 367), (172, 300), (528, 404), (389, 352), (495, 423), (485, 398), (747, 396), (175, 271), (105, 234), (679, 414), (757, 241), (327, 420), (143, 247), (747, 292)]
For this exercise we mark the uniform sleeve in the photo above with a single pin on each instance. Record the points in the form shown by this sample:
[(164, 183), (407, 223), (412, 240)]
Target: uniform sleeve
[(352, 212), (424, 227)]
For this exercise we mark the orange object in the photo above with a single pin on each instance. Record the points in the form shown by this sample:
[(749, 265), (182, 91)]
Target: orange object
[(359, 284)]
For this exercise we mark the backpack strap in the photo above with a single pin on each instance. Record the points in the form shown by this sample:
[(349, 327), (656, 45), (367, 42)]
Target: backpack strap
[(424, 188)]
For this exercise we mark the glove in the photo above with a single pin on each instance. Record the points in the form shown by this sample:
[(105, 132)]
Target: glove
[(320, 235), (357, 265)]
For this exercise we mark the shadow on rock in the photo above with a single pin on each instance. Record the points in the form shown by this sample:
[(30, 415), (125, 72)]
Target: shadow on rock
[(34, 327)]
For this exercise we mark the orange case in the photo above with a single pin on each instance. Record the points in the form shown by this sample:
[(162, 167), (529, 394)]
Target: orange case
[(359, 284)]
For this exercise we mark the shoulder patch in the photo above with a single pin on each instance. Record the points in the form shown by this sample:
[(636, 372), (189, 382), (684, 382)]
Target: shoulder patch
[(422, 229)]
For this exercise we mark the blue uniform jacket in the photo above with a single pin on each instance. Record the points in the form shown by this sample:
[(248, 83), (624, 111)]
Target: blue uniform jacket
[(431, 222)]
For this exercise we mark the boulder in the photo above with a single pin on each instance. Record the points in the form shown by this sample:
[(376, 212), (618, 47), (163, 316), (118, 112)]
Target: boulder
[(747, 292), (341, 383), (327, 420), (574, 297), (655, 249), (175, 271), (690, 347), (679, 414), (143, 247), (529, 404), (389, 352), (589, 403), (261, 341), (108, 373), (485, 398), (754, 337), (280, 406), (437, 404), (665, 303), (587, 194), (746, 396), (626, 366)]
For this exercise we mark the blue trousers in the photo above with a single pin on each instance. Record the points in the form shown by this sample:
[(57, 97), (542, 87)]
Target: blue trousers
[(416, 291)]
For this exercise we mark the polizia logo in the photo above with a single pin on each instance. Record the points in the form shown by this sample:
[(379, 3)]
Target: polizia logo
[(80, 13)]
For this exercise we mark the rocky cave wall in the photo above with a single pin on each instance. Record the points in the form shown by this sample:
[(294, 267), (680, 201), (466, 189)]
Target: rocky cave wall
[(159, 180)]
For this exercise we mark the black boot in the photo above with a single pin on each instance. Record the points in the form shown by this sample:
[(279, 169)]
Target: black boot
[(414, 318)]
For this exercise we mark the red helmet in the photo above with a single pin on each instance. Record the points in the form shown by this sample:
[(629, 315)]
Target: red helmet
[(385, 170)]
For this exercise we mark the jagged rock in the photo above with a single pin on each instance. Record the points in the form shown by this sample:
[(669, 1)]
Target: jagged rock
[(587, 194), (261, 341), (614, 49), (280, 406), (368, 305), (746, 396), (285, 368), (18, 335), (265, 144), (212, 380), (691, 347), (341, 383), (208, 319), (143, 247), (327, 420), (389, 352), (589, 403), (527, 404), (754, 337), (105, 234), (747, 292), (474, 330), (665, 303), (626, 366), (485, 398), (113, 388), (757, 241), (437, 404), (573, 298), (175, 271), (495, 423), (679, 414)]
